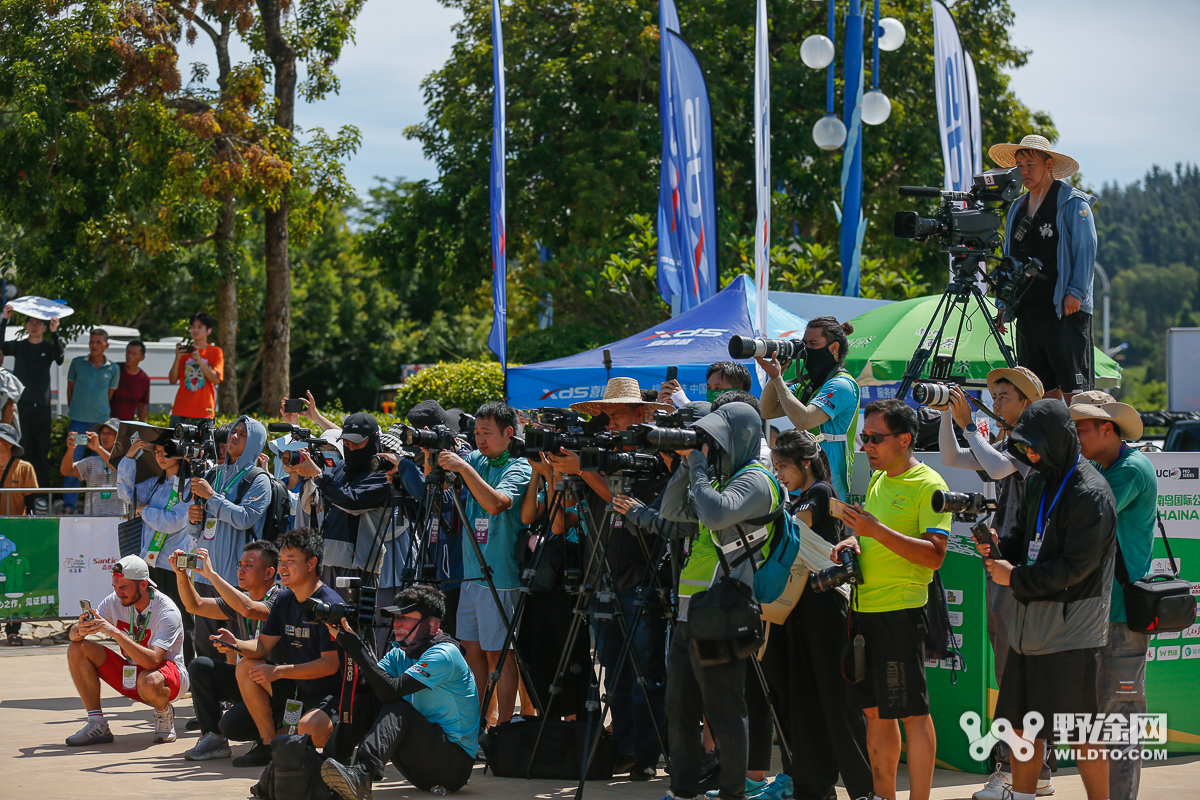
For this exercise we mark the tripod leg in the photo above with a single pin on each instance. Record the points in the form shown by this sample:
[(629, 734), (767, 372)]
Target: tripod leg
[(913, 371)]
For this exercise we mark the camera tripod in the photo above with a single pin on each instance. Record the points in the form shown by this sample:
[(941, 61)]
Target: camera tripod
[(956, 299)]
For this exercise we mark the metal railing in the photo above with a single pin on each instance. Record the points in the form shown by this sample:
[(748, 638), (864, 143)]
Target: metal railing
[(27, 491)]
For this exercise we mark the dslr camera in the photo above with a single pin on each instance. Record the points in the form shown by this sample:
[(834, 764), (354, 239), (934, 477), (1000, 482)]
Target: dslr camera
[(846, 571), (358, 610), (195, 445), (315, 445), (965, 506)]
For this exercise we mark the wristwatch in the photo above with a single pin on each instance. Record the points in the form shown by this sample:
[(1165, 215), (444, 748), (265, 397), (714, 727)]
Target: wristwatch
[(971, 427)]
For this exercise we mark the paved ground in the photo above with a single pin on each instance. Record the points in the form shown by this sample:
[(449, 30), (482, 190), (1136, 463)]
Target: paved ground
[(38, 709)]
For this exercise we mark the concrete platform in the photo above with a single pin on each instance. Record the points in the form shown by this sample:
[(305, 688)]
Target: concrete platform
[(39, 709)]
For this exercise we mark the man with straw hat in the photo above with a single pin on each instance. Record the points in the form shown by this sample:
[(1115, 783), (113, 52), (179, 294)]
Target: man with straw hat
[(1102, 423), (1053, 223)]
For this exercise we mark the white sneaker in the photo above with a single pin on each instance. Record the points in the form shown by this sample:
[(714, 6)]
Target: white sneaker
[(164, 726), (998, 787), (91, 733), (1044, 788)]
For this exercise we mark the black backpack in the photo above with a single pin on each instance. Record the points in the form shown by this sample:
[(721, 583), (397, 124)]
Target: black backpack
[(294, 772), (279, 510)]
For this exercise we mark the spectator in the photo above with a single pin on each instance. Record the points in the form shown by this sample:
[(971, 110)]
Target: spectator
[(11, 390), (215, 681), (495, 481), (132, 398), (203, 368), (1102, 424), (162, 503), (902, 542), (14, 473), (95, 471), (151, 669), (234, 512), (309, 673), (33, 357), (723, 376), (91, 382)]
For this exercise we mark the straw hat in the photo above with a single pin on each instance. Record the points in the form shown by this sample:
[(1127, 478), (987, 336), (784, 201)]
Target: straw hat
[(1004, 155), (1020, 377), (1103, 406), (619, 391)]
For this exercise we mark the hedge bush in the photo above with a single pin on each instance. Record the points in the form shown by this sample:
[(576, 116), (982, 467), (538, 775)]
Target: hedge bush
[(464, 384)]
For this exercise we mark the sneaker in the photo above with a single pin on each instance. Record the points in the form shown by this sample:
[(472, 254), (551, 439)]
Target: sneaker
[(257, 756), (623, 763), (779, 788), (998, 787), (752, 787), (710, 770), (643, 773), (91, 733), (192, 724), (15, 640), (1044, 788), (164, 726), (209, 747), (352, 783)]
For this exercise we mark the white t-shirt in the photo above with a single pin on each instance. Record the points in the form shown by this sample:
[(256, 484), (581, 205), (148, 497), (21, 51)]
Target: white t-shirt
[(164, 627)]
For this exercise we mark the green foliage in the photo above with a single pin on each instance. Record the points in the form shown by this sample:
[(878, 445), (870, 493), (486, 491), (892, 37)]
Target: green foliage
[(556, 341), (1153, 221), (466, 385), (1148, 299)]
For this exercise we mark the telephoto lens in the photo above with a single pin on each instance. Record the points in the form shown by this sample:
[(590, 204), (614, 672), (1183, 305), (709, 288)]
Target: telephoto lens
[(327, 613), (291, 458), (846, 571), (668, 439), (928, 393), (946, 502), (750, 347)]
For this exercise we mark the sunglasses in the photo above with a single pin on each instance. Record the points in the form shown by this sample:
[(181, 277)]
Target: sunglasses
[(876, 438)]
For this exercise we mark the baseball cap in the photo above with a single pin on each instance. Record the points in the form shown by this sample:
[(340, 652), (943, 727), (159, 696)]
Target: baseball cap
[(358, 427), (428, 413), (133, 568), (112, 424), (398, 611)]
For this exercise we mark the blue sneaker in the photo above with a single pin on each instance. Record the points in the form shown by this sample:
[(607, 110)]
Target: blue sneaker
[(752, 787), (780, 788)]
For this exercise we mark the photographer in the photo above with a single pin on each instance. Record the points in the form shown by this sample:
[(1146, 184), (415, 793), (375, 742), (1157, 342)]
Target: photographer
[(308, 672), (95, 471), (33, 359), (198, 368), (1012, 390), (91, 382), (233, 513), (722, 377), (739, 489), (901, 541), (1102, 424), (428, 724), (496, 482), (214, 682), (1053, 223), (162, 503), (827, 399), (1058, 561)]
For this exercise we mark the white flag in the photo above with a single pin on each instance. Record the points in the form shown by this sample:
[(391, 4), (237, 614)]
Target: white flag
[(950, 83)]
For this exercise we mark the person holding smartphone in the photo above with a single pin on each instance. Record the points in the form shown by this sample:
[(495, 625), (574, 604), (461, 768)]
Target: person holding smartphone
[(198, 369)]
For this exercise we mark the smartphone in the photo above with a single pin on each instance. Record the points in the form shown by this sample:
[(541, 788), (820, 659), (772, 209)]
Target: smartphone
[(983, 534), (836, 507), (86, 606), (294, 406), (79, 440), (672, 373)]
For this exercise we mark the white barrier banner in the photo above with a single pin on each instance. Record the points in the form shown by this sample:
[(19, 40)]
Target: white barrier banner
[(87, 550)]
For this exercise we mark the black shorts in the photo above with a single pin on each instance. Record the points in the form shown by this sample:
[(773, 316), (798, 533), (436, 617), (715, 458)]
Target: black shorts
[(1059, 351), (1056, 683), (895, 650)]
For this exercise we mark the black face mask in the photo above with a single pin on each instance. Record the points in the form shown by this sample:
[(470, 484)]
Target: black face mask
[(359, 460), (819, 362), (419, 639)]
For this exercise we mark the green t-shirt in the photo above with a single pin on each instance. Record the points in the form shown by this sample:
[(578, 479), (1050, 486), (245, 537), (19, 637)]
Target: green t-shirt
[(1135, 488), (15, 568), (496, 535), (891, 582)]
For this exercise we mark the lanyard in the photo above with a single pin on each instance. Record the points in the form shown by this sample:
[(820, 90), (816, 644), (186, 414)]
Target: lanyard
[(235, 479), (1042, 520), (1124, 447), (136, 631), (173, 499)]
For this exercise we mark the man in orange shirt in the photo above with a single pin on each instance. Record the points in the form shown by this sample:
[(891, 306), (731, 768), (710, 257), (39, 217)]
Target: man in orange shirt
[(198, 369)]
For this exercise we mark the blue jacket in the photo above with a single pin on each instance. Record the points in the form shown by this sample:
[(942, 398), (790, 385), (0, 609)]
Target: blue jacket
[(236, 523), (356, 509), (156, 493), (1076, 244)]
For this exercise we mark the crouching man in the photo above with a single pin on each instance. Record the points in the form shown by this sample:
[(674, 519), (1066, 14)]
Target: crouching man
[(430, 716), (150, 666)]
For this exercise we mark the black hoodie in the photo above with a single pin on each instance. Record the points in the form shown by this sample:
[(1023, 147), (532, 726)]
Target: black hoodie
[(1062, 598)]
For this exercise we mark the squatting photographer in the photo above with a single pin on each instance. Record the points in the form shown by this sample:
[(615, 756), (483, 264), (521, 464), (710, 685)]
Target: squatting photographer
[(902, 541), (429, 720), (1053, 223)]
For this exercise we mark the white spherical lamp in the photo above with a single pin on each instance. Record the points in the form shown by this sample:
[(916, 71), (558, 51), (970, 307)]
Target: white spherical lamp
[(829, 133), (892, 33), (817, 52), (876, 107)]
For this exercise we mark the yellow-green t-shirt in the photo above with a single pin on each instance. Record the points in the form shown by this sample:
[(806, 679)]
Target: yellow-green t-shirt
[(891, 582)]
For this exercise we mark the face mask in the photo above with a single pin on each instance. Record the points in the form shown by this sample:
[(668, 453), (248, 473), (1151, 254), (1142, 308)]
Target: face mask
[(713, 394), (360, 460), (819, 362), (332, 459), (418, 639)]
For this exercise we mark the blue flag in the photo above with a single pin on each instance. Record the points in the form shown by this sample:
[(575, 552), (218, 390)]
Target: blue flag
[(687, 212), (498, 338)]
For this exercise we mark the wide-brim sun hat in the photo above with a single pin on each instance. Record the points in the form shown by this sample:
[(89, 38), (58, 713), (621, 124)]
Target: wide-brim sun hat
[(1005, 155), (618, 391), (1103, 406), (9, 434), (1023, 378)]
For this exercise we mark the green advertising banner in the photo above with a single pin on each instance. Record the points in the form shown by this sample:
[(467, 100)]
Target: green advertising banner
[(29, 568)]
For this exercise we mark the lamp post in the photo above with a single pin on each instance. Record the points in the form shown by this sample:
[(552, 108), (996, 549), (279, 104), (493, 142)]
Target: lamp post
[(831, 133)]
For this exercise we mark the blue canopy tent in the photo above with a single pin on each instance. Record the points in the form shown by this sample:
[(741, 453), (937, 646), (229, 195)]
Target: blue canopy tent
[(691, 341)]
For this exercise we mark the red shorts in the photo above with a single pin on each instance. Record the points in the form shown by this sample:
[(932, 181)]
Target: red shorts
[(111, 673)]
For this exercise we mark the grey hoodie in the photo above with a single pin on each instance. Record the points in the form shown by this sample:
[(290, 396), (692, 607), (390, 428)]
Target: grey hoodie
[(238, 523), (691, 497)]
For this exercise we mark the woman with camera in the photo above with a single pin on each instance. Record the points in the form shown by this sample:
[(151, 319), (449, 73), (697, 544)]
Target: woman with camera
[(802, 662), (162, 503)]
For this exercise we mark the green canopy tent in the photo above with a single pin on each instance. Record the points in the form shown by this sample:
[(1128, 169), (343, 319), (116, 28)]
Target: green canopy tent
[(885, 339)]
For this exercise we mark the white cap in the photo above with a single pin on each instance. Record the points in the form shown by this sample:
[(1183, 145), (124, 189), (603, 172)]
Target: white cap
[(134, 568)]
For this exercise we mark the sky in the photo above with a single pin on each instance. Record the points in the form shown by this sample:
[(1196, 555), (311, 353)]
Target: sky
[(1119, 84)]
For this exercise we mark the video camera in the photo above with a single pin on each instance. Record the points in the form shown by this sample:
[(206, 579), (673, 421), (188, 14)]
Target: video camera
[(549, 429), (195, 445), (315, 445), (358, 610), (957, 229)]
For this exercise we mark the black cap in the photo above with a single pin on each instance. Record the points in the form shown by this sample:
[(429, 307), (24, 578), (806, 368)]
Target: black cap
[(398, 611), (358, 427), (428, 414)]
